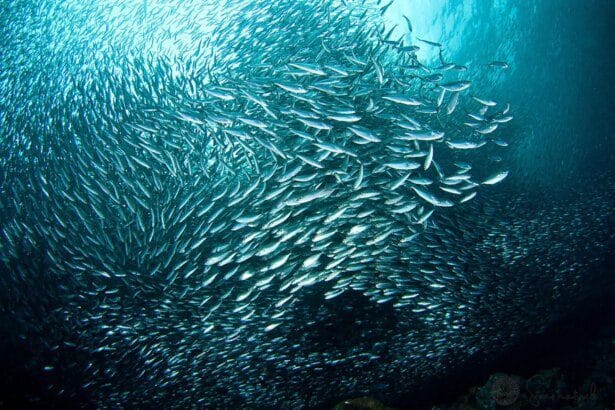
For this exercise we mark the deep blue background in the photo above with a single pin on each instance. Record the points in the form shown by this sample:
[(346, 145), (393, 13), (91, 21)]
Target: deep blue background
[(560, 81)]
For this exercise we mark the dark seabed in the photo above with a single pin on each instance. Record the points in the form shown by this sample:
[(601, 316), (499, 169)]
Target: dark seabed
[(307, 204)]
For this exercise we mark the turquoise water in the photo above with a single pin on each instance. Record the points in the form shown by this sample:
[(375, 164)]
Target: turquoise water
[(559, 82), (256, 204)]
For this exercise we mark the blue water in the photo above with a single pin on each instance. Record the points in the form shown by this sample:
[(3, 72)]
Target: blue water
[(560, 81)]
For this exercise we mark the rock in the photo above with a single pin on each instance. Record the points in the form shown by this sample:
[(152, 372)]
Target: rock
[(501, 390)]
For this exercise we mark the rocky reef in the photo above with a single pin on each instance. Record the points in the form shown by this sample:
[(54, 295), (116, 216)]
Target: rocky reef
[(573, 368)]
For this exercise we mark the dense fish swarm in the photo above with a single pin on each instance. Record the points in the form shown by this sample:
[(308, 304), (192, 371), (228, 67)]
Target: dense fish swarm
[(233, 205)]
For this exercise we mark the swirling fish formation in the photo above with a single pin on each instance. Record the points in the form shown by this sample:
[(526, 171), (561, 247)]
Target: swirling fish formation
[(186, 205)]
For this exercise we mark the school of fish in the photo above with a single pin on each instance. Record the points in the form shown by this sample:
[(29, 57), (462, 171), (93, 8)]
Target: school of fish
[(282, 210)]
